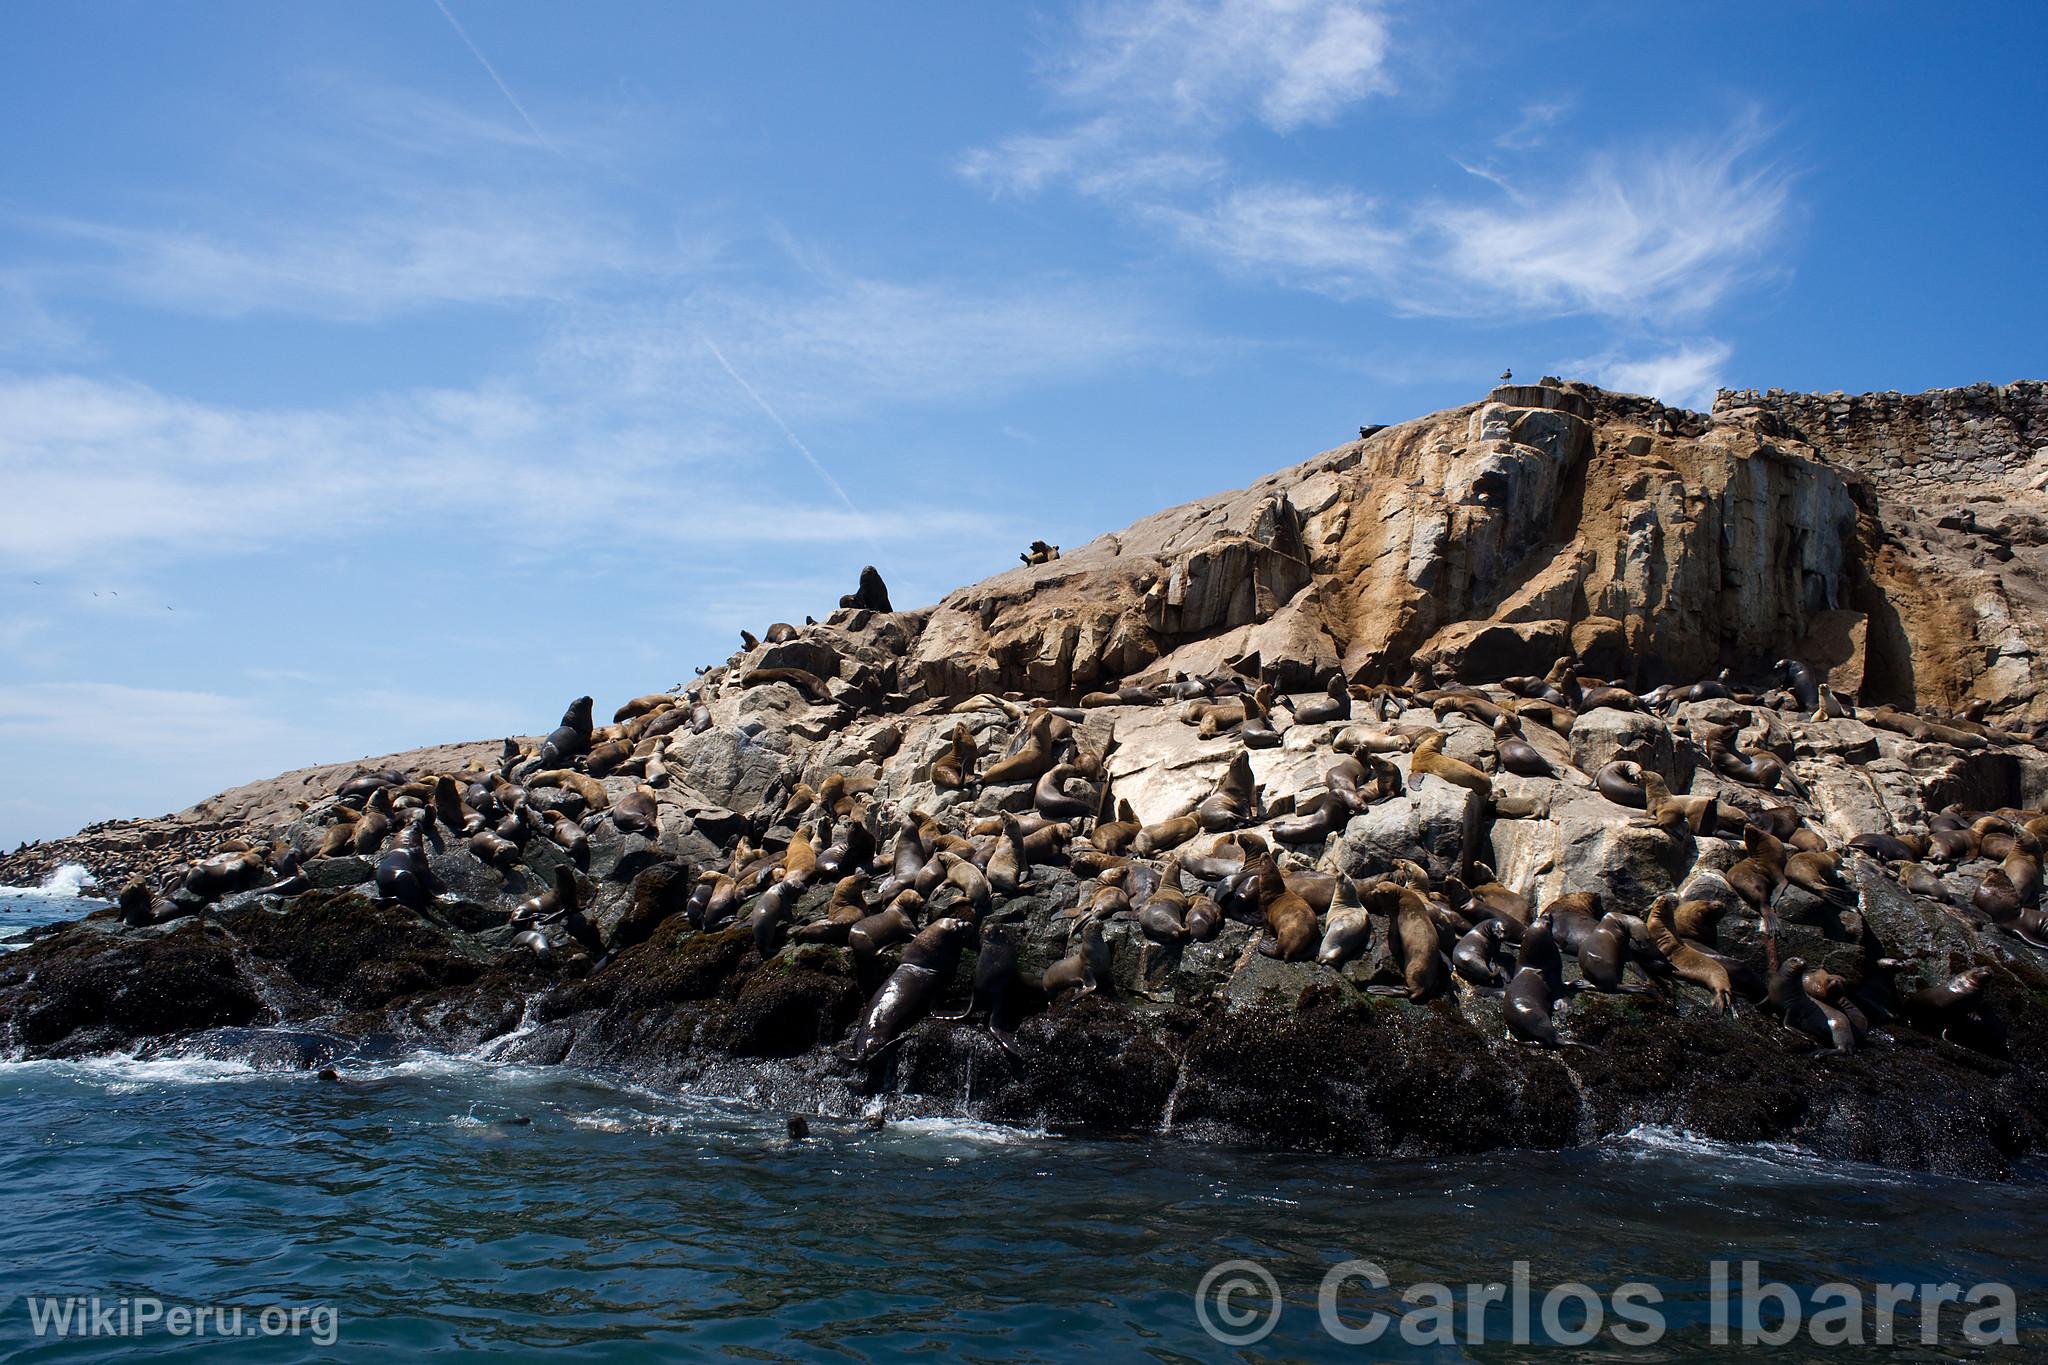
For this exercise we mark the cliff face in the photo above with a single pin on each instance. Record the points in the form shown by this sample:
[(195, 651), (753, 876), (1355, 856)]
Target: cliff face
[(1555, 518)]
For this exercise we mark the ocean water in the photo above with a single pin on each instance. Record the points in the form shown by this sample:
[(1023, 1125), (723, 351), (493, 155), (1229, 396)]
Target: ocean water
[(441, 1204)]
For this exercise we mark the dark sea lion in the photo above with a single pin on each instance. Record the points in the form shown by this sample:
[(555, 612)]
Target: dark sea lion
[(635, 812), (571, 738), (928, 964), (369, 832), (1996, 897), (847, 907), (1033, 756), (1757, 877), (770, 916), (1474, 956), (995, 981), (402, 876), (1051, 799), (449, 809), (1891, 848), (1804, 1014), (872, 595), (1622, 783), (1803, 681), (1526, 1008), (1517, 755), (1349, 929), (1257, 731), (1603, 954), (1937, 1009), (488, 847), (1085, 969), (1572, 918), (139, 908), (1327, 815), (1204, 919), (875, 934), (1334, 705)]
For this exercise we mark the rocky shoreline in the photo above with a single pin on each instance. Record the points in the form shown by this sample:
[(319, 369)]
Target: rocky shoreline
[(1562, 712)]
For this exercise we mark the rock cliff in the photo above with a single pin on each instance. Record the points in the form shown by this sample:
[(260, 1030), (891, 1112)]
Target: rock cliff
[(1521, 664)]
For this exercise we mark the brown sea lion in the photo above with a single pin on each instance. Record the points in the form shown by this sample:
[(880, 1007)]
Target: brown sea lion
[(1288, 917), (1417, 946), (1085, 969), (1349, 929), (954, 769), (1429, 758), (1689, 962)]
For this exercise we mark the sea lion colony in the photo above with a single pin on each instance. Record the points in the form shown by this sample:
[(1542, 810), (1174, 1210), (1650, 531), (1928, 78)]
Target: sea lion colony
[(1009, 840)]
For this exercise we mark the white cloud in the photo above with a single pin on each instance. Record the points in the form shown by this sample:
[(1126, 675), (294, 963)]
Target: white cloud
[(1285, 62), (1683, 378), (410, 253), (1664, 232), (1332, 241)]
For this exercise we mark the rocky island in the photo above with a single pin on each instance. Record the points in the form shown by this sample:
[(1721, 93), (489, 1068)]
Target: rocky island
[(1507, 777)]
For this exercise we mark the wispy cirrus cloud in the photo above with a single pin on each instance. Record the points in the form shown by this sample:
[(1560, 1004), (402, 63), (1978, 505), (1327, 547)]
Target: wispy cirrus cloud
[(1628, 232)]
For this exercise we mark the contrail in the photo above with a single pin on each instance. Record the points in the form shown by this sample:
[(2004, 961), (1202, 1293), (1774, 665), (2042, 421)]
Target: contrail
[(803, 449), (492, 71)]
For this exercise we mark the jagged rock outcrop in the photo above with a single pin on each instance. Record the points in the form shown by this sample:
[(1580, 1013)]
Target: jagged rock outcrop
[(1420, 579)]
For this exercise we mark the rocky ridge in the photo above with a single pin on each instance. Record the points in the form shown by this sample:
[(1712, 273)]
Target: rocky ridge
[(1432, 576)]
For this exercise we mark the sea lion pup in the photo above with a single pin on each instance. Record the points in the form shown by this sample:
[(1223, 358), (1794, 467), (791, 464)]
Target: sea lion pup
[(1234, 799), (635, 812), (1289, 918), (954, 769), (1691, 964), (1677, 815), (1084, 969), (1334, 704), (847, 908), (1474, 957), (369, 831), (570, 739), (1804, 1014), (995, 981), (1429, 757), (1937, 1009), (1034, 753), (1349, 930), (1517, 755), (1007, 864), (1417, 947), (928, 964)]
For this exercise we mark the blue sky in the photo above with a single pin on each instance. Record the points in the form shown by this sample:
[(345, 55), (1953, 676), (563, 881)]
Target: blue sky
[(379, 374)]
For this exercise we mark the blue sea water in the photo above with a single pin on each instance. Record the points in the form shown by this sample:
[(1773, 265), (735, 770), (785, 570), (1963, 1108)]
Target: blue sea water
[(440, 1204)]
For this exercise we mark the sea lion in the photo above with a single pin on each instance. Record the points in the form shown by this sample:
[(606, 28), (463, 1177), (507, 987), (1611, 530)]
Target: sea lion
[(1326, 815), (1429, 757), (570, 739), (1416, 945), (1231, 804), (1051, 799), (1034, 754), (1622, 783), (1007, 864), (872, 595), (1517, 755), (402, 876), (1204, 919), (846, 908), (1288, 917), (954, 769), (1165, 835), (1257, 731), (1891, 848), (635, 812), (1804, 1014), (1335, 704), (368, 833), (1473, 958), (771, 915), (487, 846), (1677, 815), (139, 908), (1084, 969), (912, 989), (1689, 962), (1604, 954), (450, 810), (1996, 897), (995, 980), (1937, 1009), (1757, 877), (568, 779), (1349, 930)]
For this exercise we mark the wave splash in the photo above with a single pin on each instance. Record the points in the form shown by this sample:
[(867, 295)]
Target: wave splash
[(71, 881)]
